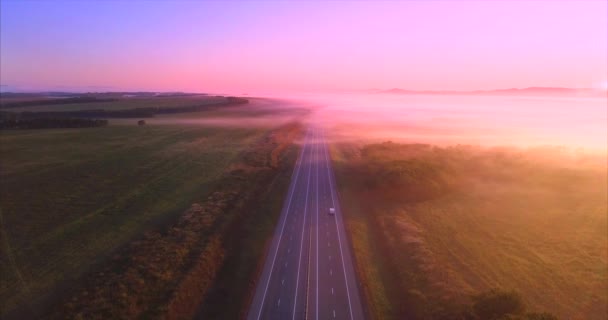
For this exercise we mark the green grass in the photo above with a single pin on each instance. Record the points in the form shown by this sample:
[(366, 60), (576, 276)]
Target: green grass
[(245, 247), (70, 197), (431, 225)]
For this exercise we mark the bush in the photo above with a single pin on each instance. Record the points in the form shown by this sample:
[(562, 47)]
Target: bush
[(540, 316), (497, 304)]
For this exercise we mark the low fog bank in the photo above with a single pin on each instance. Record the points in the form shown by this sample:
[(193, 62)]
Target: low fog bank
[(225, 121), (258, 113), (448, 222), (573, 123), (456, 195)]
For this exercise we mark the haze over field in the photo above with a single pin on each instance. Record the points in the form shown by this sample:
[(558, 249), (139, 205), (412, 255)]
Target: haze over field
[(507, 120), (272, 49), (158, 157)]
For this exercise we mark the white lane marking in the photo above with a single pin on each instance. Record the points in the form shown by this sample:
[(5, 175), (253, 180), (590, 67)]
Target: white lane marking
[(329, 257), (283, 282), (334, 313), (331, 272), (285, 264), (295, 300), (288, 250), (331, 188), (279, 302), (293, 187), (317, 242), (332, 291)]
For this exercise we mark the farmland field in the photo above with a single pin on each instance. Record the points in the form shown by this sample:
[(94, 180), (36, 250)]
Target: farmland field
[(71, 197), (433, 226), (95, 189)]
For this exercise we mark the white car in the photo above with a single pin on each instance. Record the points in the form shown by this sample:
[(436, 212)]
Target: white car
[(332, 211)]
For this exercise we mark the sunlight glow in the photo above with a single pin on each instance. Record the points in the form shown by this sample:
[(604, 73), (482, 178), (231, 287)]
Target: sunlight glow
[(301, 45)]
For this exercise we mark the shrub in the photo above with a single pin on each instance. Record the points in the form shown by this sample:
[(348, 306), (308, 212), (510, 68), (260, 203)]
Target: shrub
[(497, 304)]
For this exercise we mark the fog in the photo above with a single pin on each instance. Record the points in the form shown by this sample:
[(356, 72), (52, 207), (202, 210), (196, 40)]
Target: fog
[(262, 121), (517, 121), (258, 113)]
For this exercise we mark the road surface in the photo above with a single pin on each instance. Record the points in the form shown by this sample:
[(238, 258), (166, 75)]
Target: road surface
[(308, 272)]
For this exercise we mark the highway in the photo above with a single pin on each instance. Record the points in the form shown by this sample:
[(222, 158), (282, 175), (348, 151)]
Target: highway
[(308, 272)]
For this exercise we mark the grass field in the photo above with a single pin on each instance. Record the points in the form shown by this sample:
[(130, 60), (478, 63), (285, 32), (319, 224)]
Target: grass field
[(432, 226), (70, 197)]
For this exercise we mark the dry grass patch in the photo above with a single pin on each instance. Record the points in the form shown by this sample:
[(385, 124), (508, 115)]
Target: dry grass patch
[(452, 222)]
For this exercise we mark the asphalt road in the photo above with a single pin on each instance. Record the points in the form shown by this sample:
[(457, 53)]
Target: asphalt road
[(308, 272)]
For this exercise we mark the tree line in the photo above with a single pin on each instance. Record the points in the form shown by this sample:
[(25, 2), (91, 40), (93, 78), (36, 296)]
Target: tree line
[(145, 112), (94, 118), (44, 102), (48, 123)]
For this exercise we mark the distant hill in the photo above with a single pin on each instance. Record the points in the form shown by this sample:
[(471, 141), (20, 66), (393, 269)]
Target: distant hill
[(511, 91)]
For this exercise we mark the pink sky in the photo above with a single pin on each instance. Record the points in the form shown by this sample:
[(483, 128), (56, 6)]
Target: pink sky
[(302, 46)]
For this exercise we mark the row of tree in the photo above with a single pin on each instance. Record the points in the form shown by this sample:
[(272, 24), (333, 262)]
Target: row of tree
[(52, 101), (146, 112), (48, 123)]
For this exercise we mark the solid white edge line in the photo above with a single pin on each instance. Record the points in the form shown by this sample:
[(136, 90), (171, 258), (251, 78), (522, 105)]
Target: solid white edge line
[(293, 187), (317, 248)]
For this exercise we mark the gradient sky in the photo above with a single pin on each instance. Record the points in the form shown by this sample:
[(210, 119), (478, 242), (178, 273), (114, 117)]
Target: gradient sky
[(302, 46)]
